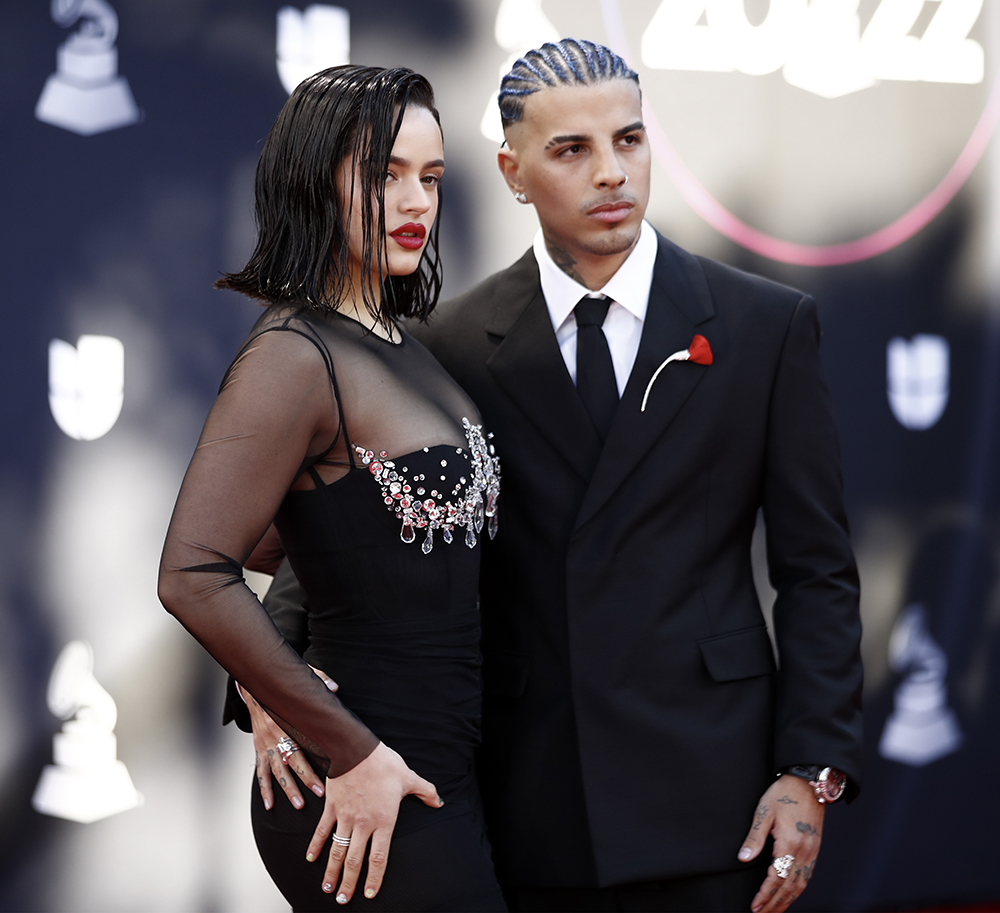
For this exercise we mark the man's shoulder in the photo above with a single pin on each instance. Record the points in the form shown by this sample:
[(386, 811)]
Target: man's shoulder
[(477, 306), (730, 278)]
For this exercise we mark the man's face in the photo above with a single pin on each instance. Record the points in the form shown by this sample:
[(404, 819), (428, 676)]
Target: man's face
[(570, 154)]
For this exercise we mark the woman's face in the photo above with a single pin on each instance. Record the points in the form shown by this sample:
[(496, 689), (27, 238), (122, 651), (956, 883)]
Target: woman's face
[(411, 194)]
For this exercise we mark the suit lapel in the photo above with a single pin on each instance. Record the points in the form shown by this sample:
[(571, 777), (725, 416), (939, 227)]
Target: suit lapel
[(530, 369), (679, 301)]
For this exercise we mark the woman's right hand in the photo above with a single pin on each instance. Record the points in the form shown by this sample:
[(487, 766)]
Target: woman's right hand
[(363, 804), (267, 757)]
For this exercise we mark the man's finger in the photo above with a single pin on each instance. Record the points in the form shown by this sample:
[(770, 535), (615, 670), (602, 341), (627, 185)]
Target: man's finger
[(285, 779), (306, 774), (264, 778), (757, 835)]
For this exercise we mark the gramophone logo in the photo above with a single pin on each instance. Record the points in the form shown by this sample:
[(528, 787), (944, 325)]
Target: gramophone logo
[(311, 40), (922, 727), (85, 94), (917, 381), (86, 385), (86, 781)]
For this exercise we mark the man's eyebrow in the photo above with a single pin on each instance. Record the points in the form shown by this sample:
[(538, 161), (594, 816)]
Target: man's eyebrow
[(585, 138), (405, 163), (567, 138), (631, 128)]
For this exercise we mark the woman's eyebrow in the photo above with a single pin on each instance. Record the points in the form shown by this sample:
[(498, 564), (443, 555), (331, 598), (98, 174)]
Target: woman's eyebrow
[(405, 163)]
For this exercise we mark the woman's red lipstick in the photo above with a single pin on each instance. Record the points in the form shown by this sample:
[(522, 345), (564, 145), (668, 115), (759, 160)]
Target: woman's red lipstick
[(411, 235)]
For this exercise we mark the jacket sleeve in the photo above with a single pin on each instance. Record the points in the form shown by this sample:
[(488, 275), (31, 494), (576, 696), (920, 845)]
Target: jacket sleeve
[(811, 564)]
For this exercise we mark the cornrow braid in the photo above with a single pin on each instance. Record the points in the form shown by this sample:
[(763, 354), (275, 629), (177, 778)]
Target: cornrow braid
[(571, 61)]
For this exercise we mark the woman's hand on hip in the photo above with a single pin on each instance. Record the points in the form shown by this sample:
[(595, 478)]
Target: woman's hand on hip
[(362, 804)]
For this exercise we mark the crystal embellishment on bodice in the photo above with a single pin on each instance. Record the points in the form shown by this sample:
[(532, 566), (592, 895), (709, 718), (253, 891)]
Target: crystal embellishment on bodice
[(418, 502)]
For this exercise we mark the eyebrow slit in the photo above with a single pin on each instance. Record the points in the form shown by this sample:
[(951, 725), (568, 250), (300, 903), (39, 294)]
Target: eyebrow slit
[(569, 138)]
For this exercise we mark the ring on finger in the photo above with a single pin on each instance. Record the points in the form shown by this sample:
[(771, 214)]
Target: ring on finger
[(286, 748), (341, 841), (782, 864)]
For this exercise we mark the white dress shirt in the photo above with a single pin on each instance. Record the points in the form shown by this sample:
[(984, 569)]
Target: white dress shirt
[(628, 290)]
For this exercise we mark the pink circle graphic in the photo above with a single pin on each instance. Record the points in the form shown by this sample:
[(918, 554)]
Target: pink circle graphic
[(721, 219)]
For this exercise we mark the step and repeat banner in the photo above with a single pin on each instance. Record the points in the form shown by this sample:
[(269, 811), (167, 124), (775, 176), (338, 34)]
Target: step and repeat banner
[(844, 146)]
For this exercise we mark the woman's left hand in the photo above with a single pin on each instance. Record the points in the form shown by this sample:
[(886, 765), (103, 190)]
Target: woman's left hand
[(363, 804)]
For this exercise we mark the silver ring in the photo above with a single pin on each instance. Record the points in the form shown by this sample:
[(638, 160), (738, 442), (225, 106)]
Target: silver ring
[(341, 841), (782, 864), (286, 748)]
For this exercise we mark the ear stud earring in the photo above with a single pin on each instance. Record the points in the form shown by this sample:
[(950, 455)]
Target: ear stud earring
[(520, 197)]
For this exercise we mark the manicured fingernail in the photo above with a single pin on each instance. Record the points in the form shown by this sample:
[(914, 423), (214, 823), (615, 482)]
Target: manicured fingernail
[(328, 888), (369, 893), (297, 802), (318, 789), (267, 804), (331, 684), (341, 898), (311, 858), (745, 853)]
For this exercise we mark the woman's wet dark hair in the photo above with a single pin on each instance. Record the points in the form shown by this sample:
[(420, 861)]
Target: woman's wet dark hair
[(302, 253)]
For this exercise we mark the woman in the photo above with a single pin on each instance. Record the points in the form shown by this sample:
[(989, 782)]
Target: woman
[(337, 426)]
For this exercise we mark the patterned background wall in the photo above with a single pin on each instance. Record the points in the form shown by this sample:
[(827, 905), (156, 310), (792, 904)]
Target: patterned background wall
[(844, 146)]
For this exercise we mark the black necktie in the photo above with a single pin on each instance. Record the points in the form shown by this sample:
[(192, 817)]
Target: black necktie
[(595, 372)]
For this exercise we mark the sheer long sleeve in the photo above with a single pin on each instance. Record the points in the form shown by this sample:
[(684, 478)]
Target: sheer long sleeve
[(275, 410)]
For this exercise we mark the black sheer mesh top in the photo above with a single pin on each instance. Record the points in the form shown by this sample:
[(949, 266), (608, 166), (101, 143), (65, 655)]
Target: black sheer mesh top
[(373, 466)]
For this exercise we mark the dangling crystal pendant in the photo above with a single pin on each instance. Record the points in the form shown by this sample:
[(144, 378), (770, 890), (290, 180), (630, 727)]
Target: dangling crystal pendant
[(491, 504), (470, 538), (447, 536), (479, 517), (428, 542), (407, 533), (493, 524)]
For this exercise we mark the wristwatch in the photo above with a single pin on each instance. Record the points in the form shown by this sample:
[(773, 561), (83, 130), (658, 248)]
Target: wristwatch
[(828, 782)]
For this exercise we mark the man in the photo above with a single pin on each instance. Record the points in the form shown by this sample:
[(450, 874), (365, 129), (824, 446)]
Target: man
[(634, 719)]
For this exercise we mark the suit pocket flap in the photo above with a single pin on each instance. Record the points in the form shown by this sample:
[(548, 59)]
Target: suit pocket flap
[(505, 674), (741, 654)]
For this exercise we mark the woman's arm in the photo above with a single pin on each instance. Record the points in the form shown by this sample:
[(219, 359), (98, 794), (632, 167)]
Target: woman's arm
[(275, 409)]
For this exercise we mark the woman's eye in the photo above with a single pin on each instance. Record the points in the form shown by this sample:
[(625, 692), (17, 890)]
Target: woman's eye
[(431, 180)]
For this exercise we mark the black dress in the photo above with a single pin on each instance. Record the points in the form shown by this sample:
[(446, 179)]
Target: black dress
[(380, 481)]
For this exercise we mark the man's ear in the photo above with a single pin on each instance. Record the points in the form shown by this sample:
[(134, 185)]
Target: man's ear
[(508, 165)]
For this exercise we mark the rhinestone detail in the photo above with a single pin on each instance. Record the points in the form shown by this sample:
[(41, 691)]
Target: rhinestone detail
[(472, 501)]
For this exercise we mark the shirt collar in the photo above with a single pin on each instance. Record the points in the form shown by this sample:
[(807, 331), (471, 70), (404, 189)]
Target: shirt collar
[(629, 286)]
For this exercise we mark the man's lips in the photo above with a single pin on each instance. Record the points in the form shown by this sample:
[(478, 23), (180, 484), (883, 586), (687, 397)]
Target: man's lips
[(612, 212), (411, 235)]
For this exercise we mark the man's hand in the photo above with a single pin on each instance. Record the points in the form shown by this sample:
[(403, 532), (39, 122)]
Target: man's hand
[(266, 734), (362, 804), (791, 814)]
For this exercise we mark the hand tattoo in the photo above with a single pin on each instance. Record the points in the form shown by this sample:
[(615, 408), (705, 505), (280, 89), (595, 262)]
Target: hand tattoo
[(788, 800), (759, 817), (803, 828)]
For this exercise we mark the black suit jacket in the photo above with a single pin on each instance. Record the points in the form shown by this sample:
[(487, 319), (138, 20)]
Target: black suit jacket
[(634, 711)]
